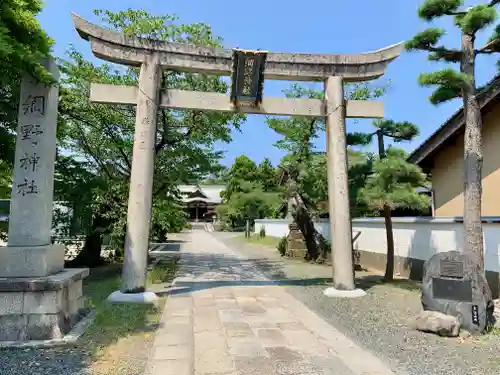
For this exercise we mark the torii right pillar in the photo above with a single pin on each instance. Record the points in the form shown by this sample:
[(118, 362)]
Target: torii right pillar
[(338, 192)]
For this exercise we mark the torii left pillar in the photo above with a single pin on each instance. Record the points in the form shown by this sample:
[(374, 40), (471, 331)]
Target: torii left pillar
[(141, 188)]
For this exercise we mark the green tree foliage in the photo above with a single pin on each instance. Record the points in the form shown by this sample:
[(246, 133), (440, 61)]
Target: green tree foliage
[(99, 138), (391, 181), (23, 43), (267, 175), (242, 170), (392, 185), (23, 46), (454, 84), (360, 166), (307, 166), (251, 192), (249, 203), (218, 177)]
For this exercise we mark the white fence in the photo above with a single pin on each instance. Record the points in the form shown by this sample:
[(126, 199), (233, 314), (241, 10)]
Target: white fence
[(417, 238)]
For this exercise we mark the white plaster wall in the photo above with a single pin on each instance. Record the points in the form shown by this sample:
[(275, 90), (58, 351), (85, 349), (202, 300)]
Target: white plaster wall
[(418, 238), (279, 227)]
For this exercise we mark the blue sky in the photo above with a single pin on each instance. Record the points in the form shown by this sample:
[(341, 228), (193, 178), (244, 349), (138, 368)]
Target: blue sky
[(321, 26)]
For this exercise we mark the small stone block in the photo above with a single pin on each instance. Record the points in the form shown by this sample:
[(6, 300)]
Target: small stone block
[(436, 322), (11, 303), (46, 327), (13, 327), (49, 302)]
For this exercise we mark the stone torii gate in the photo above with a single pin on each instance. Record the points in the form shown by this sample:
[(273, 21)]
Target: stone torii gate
[(151, 56)]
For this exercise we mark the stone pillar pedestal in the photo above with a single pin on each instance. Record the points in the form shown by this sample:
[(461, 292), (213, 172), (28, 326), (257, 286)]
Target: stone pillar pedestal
[(41, 308), (39, 299)]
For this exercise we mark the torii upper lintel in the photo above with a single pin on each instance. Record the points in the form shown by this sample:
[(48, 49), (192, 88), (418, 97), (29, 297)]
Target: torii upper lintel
[(116, 47)]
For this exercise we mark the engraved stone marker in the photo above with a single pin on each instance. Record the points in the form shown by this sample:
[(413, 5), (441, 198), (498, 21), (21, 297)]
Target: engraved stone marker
[(454, 285), (30, 221), (30, 252), (40, 299)]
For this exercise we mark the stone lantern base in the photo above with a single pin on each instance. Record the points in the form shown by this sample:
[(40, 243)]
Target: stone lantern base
[(296, 243)]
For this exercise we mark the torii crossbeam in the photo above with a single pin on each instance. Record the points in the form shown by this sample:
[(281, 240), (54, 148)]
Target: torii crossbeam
[(152, 56)]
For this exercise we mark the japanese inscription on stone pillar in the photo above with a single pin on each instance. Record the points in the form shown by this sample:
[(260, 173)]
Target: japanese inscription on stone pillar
[(30, 220)]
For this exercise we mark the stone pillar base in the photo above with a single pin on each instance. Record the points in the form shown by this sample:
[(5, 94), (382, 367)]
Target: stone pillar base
[(144, 298), (31, 261), (41, 308)]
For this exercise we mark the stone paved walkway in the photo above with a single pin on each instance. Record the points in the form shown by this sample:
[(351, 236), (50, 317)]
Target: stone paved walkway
[(224, 317)]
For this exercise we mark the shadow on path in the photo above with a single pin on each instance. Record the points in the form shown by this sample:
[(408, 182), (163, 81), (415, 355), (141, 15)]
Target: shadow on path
[(184, 287), (207, 271)]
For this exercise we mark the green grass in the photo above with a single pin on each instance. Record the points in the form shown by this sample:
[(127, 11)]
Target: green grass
[(115, 321), (492, 330), (164, 272), (265, 241)]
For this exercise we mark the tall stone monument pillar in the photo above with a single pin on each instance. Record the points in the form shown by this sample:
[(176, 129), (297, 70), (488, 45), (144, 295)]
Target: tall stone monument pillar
[(30, 250), (39, 299)]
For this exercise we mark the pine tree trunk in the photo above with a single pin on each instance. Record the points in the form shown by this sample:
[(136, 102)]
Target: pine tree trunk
[(90, 255), (473, 155), (389, 264)]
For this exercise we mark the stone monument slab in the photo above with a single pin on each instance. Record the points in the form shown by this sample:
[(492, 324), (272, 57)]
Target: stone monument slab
[(453, 284), (31, 261)]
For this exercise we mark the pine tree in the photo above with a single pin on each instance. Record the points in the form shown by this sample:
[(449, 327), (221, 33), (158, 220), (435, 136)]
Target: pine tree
[(393, 181), (453, 84)]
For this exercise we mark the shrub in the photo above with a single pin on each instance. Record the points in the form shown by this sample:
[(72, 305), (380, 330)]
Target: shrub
[(262, 232), (282, 246), (188, 226)]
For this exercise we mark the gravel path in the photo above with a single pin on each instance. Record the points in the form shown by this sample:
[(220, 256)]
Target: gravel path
[(127, 357), (49, 361), (378, 321)]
